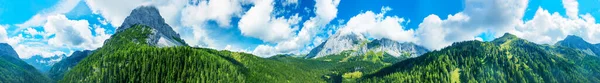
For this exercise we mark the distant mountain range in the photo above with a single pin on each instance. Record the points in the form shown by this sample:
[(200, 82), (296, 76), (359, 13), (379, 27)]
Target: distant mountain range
[(57, 71), (359, 45), (579, 44), (14, 70), (506, 59), (43, 64)]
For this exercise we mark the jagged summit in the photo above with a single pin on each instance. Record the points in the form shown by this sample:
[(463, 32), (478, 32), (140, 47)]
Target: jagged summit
[(162, 34), (336, 44), (149, 16), (7, 50), (360, 45)]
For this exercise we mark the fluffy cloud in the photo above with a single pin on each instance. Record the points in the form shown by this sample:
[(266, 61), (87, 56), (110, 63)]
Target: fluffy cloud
[(549, 28), (571, 7), (39, 19), (73, 33), (477, 17), (220, 11), (379, 26), (3, 34), (114, 11), (259, 23), (325, 10), (26, 51)]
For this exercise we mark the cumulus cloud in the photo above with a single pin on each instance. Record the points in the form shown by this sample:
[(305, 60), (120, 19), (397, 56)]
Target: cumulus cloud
[(220, 11), (571, 7), (259, 23), (379, 26), (549, 28), (39, 19), (73, 33), (26, 51), (477, 17), (114, 11), (325, 10), (3, 34)]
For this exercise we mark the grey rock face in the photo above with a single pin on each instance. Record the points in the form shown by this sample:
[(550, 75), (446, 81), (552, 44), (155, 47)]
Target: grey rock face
[(336, 44), (393, 48), (7, 50), (149, 16), (339, 43)]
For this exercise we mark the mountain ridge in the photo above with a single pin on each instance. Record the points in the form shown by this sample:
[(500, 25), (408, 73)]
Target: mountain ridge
[(505, 59), (8, 50), (57, 71), (579, 43), (15, 70), (360, 45), (43, 64)]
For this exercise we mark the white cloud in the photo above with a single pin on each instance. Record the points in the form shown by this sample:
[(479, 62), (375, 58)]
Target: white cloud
[(114, 11), (3, 34), (264, 51), (31, 31), (73, 33), (379, 26), (477, 17), (220, 11), (325, 10), (259, 23), (571, 8), (549, 28), (39, 19), (26, 51)]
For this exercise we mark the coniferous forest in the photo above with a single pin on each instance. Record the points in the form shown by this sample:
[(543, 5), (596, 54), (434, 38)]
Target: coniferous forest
[(299, 41), (126, 58)]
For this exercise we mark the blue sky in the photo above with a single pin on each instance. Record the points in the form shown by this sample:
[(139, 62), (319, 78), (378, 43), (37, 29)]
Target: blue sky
[(268, 27)]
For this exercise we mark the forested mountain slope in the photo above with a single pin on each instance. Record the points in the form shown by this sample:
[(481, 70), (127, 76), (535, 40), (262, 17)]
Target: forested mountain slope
[(506, 59), (15, 70)]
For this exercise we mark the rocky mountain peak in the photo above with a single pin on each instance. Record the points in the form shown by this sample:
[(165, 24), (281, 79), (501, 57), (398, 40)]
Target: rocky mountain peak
[(162, 34), (360, 45)]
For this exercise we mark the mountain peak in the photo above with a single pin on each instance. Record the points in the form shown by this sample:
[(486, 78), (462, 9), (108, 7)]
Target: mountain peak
[(149, 16), (7, 50), (573, 37), (509, 36), (162, 34), (577, 42)]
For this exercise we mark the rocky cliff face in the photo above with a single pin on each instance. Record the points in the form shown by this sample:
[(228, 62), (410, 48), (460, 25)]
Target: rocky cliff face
[(162, 34), (7, 50), (393, 48), (360, 46), (336, 44)]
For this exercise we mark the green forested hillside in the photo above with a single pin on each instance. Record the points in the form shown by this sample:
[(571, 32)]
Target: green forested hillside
[(13, 70), (126, 58), (506, 59)]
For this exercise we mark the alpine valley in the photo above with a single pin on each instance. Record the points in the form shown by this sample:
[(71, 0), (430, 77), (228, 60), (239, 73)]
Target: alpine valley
[(145, 49)]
